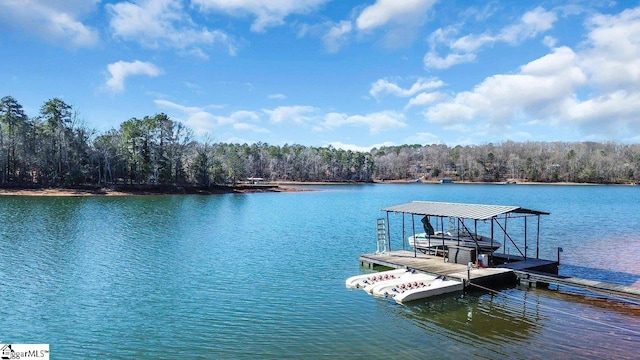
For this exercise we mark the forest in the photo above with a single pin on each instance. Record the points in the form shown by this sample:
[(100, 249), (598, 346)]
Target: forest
[(56, 149)]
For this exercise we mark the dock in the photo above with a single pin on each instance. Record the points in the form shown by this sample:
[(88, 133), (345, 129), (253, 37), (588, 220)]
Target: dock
[(522, 272), (436, 265), (534, 278), (448, 255)]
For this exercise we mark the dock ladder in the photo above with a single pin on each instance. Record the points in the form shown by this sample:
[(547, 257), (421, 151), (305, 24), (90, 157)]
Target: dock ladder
[(381, 234)]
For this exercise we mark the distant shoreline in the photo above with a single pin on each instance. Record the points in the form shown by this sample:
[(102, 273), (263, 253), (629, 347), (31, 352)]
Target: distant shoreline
[(559, 183), (144, 190), (276, 186)]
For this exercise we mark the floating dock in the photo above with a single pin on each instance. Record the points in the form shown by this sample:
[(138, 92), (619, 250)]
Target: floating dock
[(436, 265), (520, 271), (455, 261)]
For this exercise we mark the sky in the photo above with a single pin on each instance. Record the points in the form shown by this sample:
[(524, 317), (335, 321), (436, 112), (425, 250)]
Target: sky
[(343, 73)]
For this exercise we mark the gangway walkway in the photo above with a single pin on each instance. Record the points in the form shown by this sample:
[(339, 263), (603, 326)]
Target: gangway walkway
[(533, 277)]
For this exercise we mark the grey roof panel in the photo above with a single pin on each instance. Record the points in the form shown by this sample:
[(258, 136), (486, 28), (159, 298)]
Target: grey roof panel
[(459, 210)]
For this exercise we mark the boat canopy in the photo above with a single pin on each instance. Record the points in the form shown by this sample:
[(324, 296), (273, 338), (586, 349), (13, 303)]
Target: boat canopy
[(459, 210)]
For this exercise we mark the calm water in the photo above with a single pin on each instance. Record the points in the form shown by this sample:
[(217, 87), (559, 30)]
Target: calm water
[(262, 276)]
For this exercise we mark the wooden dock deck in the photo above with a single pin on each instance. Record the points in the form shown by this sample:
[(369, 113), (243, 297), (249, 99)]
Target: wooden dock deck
[(525, 272), (519, 263), (436, 265)]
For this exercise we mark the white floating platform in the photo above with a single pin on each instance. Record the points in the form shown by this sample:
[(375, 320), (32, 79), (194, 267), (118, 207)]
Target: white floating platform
[(435, 288)]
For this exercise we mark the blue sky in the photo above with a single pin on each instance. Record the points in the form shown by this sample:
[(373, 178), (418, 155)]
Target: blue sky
[(351, 74)]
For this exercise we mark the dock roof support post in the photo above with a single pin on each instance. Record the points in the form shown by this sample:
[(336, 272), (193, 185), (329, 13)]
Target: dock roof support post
[(538, 240), (505, 231), (403, 232), (388, 233), (525, 238), (442, 227), (492, 232), (415, 239), (429, 237)]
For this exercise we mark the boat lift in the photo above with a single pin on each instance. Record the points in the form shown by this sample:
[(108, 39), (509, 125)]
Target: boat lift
[(459, 212)]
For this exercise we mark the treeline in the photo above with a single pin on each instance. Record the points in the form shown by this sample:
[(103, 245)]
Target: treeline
[(583, 162), (55, 149)]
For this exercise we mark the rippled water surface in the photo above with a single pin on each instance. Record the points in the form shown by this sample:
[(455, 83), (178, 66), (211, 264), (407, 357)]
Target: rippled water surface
[(262, 276)]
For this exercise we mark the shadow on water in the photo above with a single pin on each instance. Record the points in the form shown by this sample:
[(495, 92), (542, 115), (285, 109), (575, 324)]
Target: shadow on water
[(485, 326), (530, 323), (477, 315)]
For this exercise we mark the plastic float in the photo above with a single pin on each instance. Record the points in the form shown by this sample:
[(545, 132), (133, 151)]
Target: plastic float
[(379, 289), (360, 281), (404, 285), (434, 288)]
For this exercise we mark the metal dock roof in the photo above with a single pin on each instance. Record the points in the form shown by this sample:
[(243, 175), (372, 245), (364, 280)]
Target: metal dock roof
[(459, 210)]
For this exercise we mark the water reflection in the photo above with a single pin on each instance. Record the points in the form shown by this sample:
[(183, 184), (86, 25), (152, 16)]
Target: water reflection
[(263, 277), (480, 317), (528, 324)]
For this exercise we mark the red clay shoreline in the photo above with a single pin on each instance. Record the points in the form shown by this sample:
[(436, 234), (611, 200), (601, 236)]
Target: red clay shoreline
[(143, 190), (277, 186)]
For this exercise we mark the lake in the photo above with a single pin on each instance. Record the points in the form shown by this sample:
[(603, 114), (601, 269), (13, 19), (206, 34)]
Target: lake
[(262, 276)]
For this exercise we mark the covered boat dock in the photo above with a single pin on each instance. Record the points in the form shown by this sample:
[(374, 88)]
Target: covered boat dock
[(466, 218), (501, 270)]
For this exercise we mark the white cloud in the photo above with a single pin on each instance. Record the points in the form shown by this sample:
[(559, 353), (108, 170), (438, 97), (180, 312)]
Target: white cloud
[(531, 24), (120, 70), (352, 147), (203, 121), (156, 23), (250, 127), (613, 59), (384, 12), (238, 116), (542, 88), (267, 13), (56, 21), (376, 122), (610, 57), (336, 37), (444, 35), (595, 90), (295, 114), (616, 109), (433, 61), (471, 43), (463, 49), (550, 41), (277, 96), (423, 138), (196, 118), (384, 86), (400, 19), (452, 112), (551, 64), (425, 98)]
